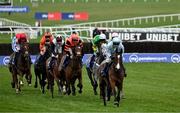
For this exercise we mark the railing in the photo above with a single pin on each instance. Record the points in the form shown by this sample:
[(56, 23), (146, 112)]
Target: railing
[(169, 26), (130, 21), (7, 22), (84, 32), (98, 1)]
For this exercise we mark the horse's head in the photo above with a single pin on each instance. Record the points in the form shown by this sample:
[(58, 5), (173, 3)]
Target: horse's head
[(77, 51), (117, 61), (25, 50)]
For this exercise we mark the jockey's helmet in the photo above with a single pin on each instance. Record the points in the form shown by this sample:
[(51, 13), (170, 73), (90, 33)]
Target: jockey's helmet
[(75, 37), (18, 35), (58, 38), (47, 35), (102, 36), (21, 38), (116, 41), (114, 34)]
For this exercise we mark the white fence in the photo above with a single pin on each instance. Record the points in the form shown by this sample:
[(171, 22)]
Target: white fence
[(86, 32), (34, 32), (7, 22), (169, 26), (131, 21), (98, 1)]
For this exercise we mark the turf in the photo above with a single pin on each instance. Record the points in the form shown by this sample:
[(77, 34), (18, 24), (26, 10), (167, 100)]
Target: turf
[(149, 87)]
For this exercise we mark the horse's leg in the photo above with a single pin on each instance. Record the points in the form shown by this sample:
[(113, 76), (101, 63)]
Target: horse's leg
[(119, 89), (21, 79), (16, 82), (80, 83), (43, 81), (52, 87), (36, 76), (28, 78), (108, 91), (59, 85), (102, 91), (89, 73), (112, 83), (68, 89), (95, 77), (50, 79), (95, 85), (13, 80), (67, 78), (73, 86)]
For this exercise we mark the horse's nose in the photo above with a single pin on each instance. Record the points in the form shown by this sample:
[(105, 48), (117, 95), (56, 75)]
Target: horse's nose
[(78, 53)]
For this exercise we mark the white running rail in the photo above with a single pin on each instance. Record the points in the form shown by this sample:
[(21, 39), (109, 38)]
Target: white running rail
[(131, 21), (7, 22)]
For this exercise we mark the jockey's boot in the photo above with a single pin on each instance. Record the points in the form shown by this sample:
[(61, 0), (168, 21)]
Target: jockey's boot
[(30, 60), (15, 58), (65, 63), (11, 59), (92, 61), (38, 58), (51, 62)]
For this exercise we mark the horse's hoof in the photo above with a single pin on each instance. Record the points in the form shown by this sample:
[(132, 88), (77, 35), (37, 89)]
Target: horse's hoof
[(17, 91), (116, 103), (35, 86), (21, 83), (29, 85), (80, 91), (74, 94), (47, 86), (95, 93)]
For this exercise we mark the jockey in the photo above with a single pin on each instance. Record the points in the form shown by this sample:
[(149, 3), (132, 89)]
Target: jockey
[(71, 42), (115, 45), (57, 48), (46, 41), (19, 39), (97, 41)]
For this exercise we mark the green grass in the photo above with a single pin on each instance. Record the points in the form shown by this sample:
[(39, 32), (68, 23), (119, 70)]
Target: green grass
[(149, 87)]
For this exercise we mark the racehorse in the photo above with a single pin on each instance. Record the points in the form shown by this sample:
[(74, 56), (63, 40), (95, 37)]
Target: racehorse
[(73, 71), (116, 77), (40, 69), (55, 74), (22, 68), (104, 84), (113, 83), (92, 71)]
